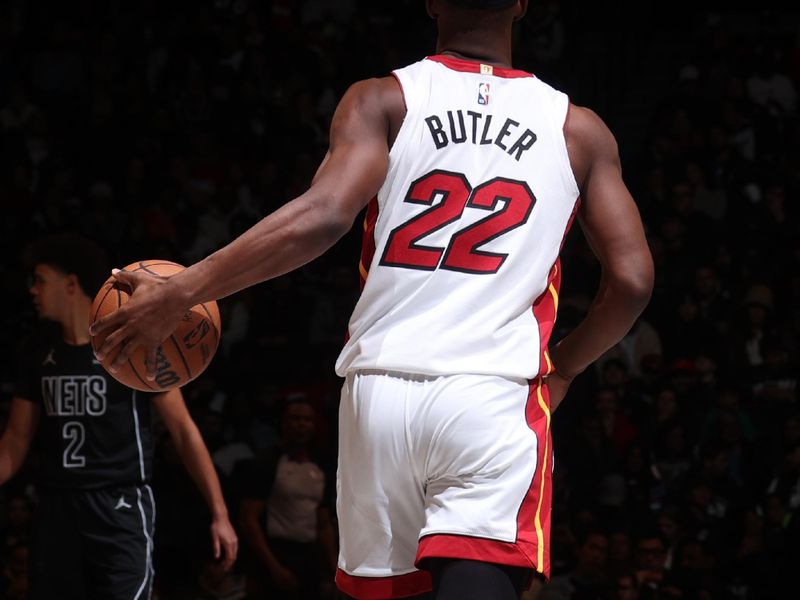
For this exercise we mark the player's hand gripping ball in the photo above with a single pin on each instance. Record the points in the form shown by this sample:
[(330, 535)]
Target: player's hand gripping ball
[(184, 354)]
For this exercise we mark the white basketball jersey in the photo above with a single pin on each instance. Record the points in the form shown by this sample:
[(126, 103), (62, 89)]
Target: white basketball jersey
[(460, 257)]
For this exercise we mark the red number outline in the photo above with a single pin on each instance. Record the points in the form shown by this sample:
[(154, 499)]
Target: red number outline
[(462, 254), (403, 250)]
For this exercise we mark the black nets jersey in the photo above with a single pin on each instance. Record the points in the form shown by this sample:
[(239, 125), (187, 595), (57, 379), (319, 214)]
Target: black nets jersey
[(93, 431)]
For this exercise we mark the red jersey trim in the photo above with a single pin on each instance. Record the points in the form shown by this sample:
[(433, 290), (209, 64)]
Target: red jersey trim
[(531, 548), (367, 248), (471, 66), (368, 241), (533, 518), (382, 588), (440, 545), (545, 307)]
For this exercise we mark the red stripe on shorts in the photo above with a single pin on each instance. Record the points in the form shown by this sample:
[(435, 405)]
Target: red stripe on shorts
[(440, 545), (533, 518), (531, 549), (383, 588)]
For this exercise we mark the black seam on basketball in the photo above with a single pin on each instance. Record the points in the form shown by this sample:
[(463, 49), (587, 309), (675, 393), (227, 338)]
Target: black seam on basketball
[(183, 358), (139, 377), (100, 304), (211, 320), (146, 269)]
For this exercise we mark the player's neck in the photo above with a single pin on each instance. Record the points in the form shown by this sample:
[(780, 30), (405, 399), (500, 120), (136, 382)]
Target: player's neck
[(481, 46), (75, 322)]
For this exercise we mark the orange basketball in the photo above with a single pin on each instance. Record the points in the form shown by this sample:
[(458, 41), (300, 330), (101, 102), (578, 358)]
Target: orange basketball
[(183, 355)]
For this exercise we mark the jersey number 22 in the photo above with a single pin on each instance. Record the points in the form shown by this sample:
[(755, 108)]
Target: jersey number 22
[(462, 253)]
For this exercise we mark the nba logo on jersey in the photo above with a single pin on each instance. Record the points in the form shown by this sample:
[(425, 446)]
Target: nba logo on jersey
[(483, 93)]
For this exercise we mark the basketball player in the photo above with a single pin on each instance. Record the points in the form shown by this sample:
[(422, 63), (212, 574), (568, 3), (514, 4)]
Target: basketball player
[(94, 525), (471, 172)]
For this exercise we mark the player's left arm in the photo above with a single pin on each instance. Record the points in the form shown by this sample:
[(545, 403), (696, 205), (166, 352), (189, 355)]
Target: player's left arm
[(195, 457), (614, 230), (351, 174)]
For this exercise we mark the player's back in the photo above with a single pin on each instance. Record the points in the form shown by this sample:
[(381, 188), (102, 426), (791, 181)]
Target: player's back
[(461, 244)]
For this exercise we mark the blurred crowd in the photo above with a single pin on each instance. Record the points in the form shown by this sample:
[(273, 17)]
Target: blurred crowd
[(162, 130)]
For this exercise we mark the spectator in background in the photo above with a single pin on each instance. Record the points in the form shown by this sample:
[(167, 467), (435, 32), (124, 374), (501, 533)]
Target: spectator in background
[(650, 563), (588, 580), (769, 87), (672, 452), (618, 428), (710, 202), (14, 583), (285, 515), (687, 332), (671, 530), (755, 324), (614, 374), (644, 485), (625, 587), (642, 341), (774, 380), (620, 552), (17, 530), (785, 482), (692, 568), (712, 299)]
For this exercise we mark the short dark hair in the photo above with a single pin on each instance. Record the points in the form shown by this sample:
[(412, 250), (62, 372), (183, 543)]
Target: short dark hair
[(72, 254)]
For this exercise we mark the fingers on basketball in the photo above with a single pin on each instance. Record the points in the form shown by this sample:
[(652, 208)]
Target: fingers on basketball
[(183, 355)]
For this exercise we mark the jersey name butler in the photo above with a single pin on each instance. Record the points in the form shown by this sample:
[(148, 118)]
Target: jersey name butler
[(74, 395), (460, 126)]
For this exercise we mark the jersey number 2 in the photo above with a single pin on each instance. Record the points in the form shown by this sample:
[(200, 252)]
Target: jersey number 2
[(462, 253), (76, 434)]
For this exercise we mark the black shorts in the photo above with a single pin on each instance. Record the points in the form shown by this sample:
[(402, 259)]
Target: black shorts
[(93, 544)]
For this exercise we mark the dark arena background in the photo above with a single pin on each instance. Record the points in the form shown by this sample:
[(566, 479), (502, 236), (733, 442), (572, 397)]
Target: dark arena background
[(164, 129)]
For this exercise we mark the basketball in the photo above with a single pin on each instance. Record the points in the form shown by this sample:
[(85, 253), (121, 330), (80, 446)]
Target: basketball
[(184, 354)]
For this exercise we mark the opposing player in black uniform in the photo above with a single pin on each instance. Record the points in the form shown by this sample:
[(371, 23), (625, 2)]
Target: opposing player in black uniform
[(94, 525)]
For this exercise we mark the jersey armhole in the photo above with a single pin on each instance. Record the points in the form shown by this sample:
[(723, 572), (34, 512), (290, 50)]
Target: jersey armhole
[(402, 89), (401, 141), (568, 175)]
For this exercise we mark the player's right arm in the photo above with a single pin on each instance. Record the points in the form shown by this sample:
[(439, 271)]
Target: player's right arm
[(23, 419), (613, 228), (351, 174)]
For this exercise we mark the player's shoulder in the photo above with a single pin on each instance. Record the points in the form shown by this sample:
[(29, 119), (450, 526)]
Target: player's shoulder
[(375, 90), (370, 105), (589, 141), (586, 127), (40, 340)]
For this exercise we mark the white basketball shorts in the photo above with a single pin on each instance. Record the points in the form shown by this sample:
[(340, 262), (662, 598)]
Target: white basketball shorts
[(453, 466)]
